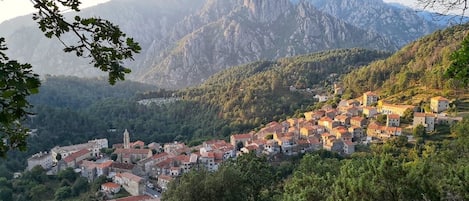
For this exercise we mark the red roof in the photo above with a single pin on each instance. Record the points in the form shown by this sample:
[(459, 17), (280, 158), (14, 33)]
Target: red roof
[(139, 143), (241, 136), (75, 155), (110, 185), (105, 164), (130, 176), (394, 116), (183, 158), (160, 155)]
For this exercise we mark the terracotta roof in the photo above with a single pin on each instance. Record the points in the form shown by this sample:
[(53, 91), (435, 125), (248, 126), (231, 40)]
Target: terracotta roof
[(105, 164), (349, 143), (394, 116), (165, 163), (183, 158), (369, 93), (160, 155), (251, 147), (88, 164), (373, 125), (391, 129), (341, 117), (325, 119), (130, 176), (75, 155), (241, 136), (111, 185), (139, 143), (357, 118)]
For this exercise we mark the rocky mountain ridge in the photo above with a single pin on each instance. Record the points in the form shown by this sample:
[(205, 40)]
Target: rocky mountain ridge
[(400, 24), (185, 41)]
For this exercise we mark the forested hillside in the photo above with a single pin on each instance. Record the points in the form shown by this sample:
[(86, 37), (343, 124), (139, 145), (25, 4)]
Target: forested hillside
[(259, 92), (418, 68), (72, 110)]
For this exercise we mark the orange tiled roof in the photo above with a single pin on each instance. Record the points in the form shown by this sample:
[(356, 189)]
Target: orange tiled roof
[(130, 176), (160, 155), (241, 136), (394, 116), (75, 155), (105, 164), (111, 185)]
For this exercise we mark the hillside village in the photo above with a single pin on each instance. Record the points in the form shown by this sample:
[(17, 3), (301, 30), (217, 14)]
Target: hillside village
[(144, 170)]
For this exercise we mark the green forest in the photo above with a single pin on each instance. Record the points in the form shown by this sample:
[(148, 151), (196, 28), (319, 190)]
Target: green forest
[(72, 110)]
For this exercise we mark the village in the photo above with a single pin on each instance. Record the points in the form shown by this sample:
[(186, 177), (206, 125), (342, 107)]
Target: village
[(144, 170)]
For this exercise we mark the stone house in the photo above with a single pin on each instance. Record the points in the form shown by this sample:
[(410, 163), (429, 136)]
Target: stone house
[(425, 119), (439, 104)]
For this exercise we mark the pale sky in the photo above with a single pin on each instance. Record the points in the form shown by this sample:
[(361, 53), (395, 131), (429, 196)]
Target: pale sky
[(13, 8)]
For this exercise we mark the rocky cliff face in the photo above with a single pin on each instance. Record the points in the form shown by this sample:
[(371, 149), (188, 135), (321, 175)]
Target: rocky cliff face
[(254, 30), (401, 25), (185, 41)]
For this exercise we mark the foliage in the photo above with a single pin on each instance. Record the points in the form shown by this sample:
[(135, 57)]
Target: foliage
[(17, 81), (416, 68), (459, 68), (98, 39), (247, 178)]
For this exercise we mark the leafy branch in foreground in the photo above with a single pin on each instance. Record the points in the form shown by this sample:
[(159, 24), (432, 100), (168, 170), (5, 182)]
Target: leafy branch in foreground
[(98, 39), (17, 81)]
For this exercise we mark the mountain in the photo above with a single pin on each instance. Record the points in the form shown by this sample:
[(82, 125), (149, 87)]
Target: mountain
[(255, 30), (400, 24), (185, 41), (414, 73)]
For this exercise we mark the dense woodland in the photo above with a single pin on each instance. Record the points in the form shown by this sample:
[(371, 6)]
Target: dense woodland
[(418, 68), (71, 110)]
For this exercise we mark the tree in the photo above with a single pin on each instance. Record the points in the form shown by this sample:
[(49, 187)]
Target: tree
[(459, 68), (446, 6), (419, 131), (68, 174), (63, 192), (98, 39)]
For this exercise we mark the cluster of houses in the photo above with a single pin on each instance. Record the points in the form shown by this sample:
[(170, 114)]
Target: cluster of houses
[(138, 166)]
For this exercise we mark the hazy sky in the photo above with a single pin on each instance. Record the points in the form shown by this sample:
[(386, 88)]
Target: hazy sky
[(12, 8)]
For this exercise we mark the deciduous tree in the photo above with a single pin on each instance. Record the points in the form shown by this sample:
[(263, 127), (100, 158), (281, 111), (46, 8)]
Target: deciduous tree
[(98, 39)]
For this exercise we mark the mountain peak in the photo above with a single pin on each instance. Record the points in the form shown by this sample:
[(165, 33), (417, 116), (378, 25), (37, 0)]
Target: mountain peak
[(267, 11)]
